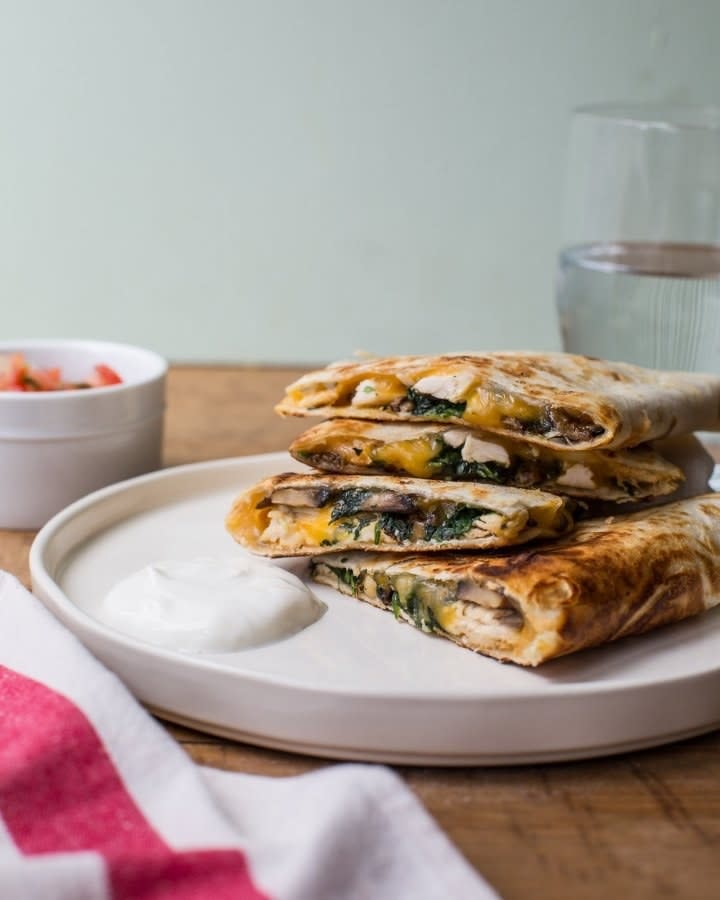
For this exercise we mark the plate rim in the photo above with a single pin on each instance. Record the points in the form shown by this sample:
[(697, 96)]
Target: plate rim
[(444, 759)]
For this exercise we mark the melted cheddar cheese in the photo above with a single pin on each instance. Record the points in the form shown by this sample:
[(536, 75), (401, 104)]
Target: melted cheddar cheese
[(410, 456), (491, 408), (550, 517), (445, 615), (316, 525)]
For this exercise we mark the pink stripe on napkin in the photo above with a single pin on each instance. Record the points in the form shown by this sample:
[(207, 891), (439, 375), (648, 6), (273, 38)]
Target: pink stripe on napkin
[(98, 802), (59, 792)]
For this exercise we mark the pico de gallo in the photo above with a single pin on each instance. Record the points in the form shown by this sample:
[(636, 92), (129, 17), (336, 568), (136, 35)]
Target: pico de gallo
[(17, 374)]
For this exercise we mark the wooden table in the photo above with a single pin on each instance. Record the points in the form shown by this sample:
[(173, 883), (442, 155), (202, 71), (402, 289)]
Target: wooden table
[(643, 825)]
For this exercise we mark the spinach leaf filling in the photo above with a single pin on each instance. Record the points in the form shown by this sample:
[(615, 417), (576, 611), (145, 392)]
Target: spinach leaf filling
[(411, 596), (395, 526), (427, 405), (430, 621), (346, 576), (460, 520), (395, 603), (348, 506), (445, 522), (450, 464), (349, 503), (404, 597)]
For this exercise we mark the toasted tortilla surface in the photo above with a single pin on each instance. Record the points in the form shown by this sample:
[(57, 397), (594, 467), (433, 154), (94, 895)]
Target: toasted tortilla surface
[(459, 453), (609, 579), (298, 515), (552, 399)]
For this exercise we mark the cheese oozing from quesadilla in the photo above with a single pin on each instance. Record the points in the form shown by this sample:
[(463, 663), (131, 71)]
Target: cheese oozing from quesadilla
[(296, 515), (458, 453), (552, 399), (606, 580)]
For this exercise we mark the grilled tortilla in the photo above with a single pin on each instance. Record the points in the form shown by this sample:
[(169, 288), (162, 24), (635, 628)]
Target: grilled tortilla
[(551, 399), (457, 453), (298, 515), (606, 580)]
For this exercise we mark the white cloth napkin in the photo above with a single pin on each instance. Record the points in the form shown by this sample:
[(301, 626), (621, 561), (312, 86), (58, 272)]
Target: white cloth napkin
[(97, 801)]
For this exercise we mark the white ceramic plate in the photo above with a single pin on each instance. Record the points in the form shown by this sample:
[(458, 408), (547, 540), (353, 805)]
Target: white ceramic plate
[(357, 684)]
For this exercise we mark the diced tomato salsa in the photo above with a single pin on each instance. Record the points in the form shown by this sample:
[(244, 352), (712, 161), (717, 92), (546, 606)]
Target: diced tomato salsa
[(16, 374)]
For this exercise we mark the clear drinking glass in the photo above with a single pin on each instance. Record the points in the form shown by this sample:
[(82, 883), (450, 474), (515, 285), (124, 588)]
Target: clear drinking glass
[(639, 276)]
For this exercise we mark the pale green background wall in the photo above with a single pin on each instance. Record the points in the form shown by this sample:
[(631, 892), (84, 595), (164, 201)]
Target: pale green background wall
[(290, 181)]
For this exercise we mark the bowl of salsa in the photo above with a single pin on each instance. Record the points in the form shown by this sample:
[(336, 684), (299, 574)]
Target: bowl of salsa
[(19, 375), (75, 416)]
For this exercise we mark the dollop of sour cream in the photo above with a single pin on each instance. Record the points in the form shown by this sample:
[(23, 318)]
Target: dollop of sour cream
[(210, 605)]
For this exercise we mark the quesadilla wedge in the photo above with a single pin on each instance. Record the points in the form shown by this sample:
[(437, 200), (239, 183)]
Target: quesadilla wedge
[(552, 399), (458, 453), (606, 580), (298, 515)]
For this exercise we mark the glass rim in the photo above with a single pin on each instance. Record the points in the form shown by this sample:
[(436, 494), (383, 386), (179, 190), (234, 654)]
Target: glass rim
[(663, 116)]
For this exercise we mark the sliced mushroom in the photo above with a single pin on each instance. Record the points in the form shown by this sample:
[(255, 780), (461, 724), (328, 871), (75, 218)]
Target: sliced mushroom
[(575, 428), (387, 501), (313, 496), (471, 592)]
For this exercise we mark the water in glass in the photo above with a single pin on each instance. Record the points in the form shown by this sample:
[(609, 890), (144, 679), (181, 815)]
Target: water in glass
[(655, 304)]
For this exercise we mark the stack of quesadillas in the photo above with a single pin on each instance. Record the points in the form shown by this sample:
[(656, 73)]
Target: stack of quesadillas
[(432, 474)]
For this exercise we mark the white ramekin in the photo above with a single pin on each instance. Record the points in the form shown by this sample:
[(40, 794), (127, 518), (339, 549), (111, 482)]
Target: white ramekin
[(57, 446)]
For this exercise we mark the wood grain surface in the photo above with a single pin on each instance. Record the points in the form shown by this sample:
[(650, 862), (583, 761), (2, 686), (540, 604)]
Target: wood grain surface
[(641, 825)]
